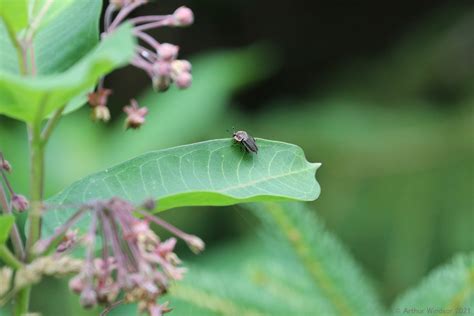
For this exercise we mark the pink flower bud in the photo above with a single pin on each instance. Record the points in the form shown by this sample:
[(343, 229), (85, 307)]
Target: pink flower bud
[(184, 80), (167, 51), (88, 298), (19, 202), (76, 284), (183, 16), (135, 115), (99, 97), (162, 68)]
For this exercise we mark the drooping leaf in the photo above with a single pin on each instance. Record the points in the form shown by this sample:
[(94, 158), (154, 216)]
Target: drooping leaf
[(6, 224), (30, 98), (447, 290), (215, 172)]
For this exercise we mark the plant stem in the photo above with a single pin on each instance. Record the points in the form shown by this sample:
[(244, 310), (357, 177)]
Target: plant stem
[(36, 188), (51, 125), (9, 258), (22, 303)]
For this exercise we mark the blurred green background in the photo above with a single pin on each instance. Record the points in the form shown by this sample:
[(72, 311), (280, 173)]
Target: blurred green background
[(382, 94)]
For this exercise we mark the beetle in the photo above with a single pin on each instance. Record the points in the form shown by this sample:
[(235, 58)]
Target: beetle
[(246, 140)]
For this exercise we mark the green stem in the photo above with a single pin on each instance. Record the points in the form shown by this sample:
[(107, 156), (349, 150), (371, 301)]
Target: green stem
[(36, 188), (53, 121), (9, 258), (22, 303)]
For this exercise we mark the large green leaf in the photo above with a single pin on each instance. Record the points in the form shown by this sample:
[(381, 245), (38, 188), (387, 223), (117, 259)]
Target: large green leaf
[(30, 98), (6, 224), (447, 291), (215, 172), (67, 31)]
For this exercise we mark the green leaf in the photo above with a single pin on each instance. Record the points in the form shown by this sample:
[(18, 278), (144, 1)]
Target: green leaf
[(55, 7), (6, 224), (448, 290), (68, 31), (14, 14), (215, 172), (298, 269), (30, 98)]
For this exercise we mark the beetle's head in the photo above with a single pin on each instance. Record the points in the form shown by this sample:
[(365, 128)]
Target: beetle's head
[(240, 135)]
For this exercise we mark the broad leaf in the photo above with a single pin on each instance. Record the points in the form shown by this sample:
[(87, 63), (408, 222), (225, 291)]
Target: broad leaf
[(30, 98), (216, 172), (6, 224), (448, 290), (68, 31)]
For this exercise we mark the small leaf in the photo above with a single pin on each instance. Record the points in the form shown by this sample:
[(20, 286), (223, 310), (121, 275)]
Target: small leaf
[(216, 172), (6, 224), (30, 98), (448, 290)]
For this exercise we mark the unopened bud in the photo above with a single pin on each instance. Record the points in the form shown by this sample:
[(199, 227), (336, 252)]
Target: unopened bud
[(195, 243), (101, 113), (162, 68), (88, 298), (5, 165), (167, 51), (181, 65), (183, 16), (20, 203), (76, 284), (184, 80)]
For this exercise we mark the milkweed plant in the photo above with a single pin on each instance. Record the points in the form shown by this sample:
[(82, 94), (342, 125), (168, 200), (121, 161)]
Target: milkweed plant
[(55, 60), (100, 232)]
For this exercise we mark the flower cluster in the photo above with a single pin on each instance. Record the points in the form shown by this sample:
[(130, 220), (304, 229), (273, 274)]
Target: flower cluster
[(133, 260), (159, 60)]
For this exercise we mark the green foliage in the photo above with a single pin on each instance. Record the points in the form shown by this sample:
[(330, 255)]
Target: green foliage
[(55, 51), (14, 14), (33, 98), (299, 269), (6, 224), (447, 290), (216, 172)]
